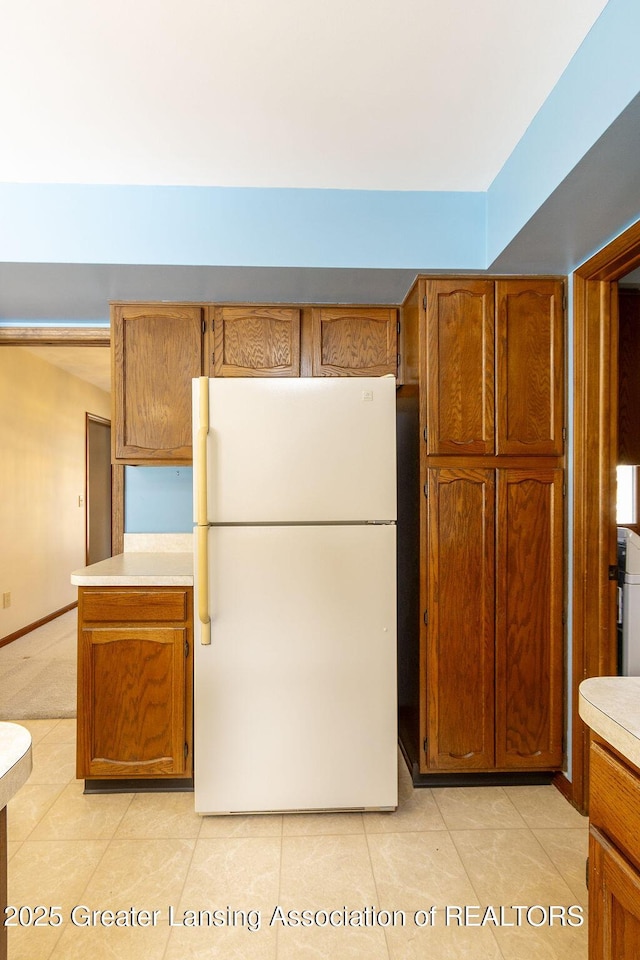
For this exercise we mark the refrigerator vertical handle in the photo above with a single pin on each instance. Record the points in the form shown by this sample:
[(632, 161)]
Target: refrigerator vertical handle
[(203, 586), (202, 572), (202, 518)]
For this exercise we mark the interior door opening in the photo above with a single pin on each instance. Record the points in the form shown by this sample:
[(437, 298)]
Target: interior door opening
[(595, 459), (98, 506)]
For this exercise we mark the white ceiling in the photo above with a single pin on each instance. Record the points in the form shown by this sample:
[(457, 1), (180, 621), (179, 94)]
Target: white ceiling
[(369, 94)]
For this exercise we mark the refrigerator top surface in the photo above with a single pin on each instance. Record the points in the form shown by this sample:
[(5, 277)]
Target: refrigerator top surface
[(298, 450)]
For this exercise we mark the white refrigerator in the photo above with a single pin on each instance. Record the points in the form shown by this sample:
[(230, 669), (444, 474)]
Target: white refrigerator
[(295, 595)]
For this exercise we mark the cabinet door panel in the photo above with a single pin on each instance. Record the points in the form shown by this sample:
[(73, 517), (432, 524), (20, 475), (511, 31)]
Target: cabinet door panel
[(614, 902), (157, 350), (132, 706), (460, 647), (350, 341), (529, 374), (529, 632), (460, 365), (256, 342)]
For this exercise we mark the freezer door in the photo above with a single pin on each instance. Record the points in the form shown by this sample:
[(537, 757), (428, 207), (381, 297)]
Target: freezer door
[(295, 698), (296, 450)]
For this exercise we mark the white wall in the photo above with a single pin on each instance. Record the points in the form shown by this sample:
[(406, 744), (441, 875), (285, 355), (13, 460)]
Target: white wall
[(42, 474)]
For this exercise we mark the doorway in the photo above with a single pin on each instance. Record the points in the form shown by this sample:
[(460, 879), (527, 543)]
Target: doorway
[(98, 510), (594, 586)]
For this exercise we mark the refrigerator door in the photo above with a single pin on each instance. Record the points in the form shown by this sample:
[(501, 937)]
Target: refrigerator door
[(295, 698), (298, 450)]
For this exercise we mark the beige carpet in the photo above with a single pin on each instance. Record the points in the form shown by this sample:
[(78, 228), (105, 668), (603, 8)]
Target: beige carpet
[(38, 672)]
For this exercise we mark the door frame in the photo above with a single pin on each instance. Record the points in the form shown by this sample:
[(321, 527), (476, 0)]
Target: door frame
[(595, 296), (76, 337)]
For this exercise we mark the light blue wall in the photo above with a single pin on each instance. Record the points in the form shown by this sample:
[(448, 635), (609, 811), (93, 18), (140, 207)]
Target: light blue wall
[(76, 223), (158, 500), (304, 228), (600, 81)]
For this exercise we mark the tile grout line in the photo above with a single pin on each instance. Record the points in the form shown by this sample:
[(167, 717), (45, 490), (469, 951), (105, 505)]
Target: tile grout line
[(583, 895), (277, 937), (54, 799), (375, 883), (107, 841), (472, 885), (184, 883)]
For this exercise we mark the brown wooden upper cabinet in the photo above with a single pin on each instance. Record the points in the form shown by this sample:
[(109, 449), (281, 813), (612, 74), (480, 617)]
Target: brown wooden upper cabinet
[(494, 367), (354, 342), (156, 351), (529, 367), (460, 366), (250, 341)]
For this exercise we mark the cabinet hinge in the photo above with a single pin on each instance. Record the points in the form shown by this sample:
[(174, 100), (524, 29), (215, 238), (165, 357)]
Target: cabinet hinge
[(213, 356), (186, 648), (186, 750), (564, 302), (425, 617), (204, 326), (564, 489), (398, 360), (425, 434), (424, 745), (426, 490), (424, 302), (398, 327), (564, 434)]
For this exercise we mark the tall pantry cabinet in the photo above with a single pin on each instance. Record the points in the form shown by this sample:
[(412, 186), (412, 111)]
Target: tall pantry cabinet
[(481, 446)]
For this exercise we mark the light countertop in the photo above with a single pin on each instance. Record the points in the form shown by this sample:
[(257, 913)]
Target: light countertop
[(611, 707), (134, 569), (15, 760)]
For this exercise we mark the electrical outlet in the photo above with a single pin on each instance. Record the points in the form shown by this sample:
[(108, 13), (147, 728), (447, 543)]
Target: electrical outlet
[(6, 599)]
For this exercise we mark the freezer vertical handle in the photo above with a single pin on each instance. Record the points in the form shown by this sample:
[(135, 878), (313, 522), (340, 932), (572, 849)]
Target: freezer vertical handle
[(202, 515), (203, 432), (203, 586)]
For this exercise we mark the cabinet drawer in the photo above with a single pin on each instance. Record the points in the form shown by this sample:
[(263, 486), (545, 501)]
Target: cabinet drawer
[(614, 804), (132, 606)]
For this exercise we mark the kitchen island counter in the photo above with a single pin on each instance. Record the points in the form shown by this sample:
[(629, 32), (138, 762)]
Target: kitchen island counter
[(611, 707), (15, 759), (138, 570), (15, 767)]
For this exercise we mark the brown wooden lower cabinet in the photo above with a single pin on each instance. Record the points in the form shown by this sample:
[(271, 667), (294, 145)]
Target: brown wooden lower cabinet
[(460, 632), (135, 682), (614, 857), (493, 632)]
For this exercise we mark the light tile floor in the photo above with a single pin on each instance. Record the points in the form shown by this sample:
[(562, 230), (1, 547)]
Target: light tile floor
[(447, 847)]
